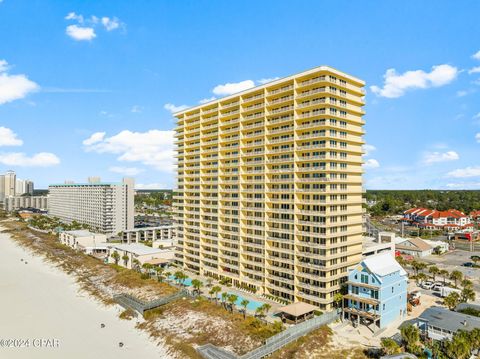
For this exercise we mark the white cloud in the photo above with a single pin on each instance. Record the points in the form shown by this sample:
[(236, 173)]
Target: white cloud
[(396, 85), (95, 138), (464, 185), (465, 172), (264, 81), (73, 16), (9, 138), (79, 33), (477, 137), (136, 109), (462, 93), (474, 70), (110, 23), (371, 163), (150, 186), (153, 148), (42, 159), (14, 87), (436, 157), (368, 149), (127, 171), (205, 100), (476, 55), (231, 88), (172, 108)]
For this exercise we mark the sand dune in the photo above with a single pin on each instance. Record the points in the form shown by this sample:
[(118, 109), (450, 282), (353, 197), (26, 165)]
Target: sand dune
[(38, 301)]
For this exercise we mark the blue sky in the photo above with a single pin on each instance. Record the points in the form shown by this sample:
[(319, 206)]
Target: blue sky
[(86, 86)]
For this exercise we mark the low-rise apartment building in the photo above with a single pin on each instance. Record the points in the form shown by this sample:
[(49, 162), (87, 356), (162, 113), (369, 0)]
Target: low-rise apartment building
[(437, 219), (128, 253), (377, 292), (106, 207), (159, 236), (83, 240), (14, 203)]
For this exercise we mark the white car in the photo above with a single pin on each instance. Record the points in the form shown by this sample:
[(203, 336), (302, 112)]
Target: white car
[(427, 285)]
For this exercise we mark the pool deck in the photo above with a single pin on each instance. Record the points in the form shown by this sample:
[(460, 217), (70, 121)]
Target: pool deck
[(244, 294)]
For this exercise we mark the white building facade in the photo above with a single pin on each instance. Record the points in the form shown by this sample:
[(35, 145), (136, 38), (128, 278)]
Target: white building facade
[(106, 207), (15, 203)]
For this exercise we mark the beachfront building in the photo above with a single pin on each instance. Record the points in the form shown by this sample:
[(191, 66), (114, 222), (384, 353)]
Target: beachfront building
[(270, 185), (440, 323), (128, 253), (24, 187), (159, 236), (377, 292), (85, 241), (8, 182), (106, 207), (15, 203)]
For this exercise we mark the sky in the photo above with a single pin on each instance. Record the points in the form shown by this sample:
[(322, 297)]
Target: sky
[(87, 87)]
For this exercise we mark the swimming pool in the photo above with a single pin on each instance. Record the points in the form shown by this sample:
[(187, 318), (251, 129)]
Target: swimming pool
[(252, 305)]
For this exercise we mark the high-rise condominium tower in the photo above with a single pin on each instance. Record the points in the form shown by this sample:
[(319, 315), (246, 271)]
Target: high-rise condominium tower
[(270, 185), (106, 207)]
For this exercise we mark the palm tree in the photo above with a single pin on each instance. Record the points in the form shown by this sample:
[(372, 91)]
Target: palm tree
[(115, 256), (159, 271), (125, 259), (456, 276), (468, 294), (232, 298), (180, 277), (451, 300), (466, 283), (224, 299), (214, 291), (337, 299), (411, 336), (421, 277), (136, 264), (209, 282), (418, 266), (244, 303), (266, 307), (445, 274), (197, 284), (147, 267), (433, 270), (459, 347)]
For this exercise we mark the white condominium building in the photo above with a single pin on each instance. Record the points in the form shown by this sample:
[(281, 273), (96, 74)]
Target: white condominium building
[(105, 207), (7, 184), (270, 185)]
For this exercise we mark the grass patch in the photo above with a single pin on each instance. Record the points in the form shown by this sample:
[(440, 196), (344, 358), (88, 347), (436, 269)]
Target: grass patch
[(127, 314), (153, 313)]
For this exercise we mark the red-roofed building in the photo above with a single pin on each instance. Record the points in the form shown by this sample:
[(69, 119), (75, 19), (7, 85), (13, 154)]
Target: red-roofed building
[(451, 218), (475, 216)]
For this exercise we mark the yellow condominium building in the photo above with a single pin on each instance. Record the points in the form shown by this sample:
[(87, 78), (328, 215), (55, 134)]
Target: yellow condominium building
[(270, 185)]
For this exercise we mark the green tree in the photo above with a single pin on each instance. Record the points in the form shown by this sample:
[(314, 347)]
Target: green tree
[(421, 277), (466, 283), (467, 294), (433, 270), (159, 271), (417, 266), (445, 274), (125, 259), (148, 268), (337, 299), (232, 298), (136, 264), (214, 292), (115, 256), (244, 303), (224, 299), (197, 284), (410, 336), (459, 347), (451, 300), (390, 346), (456, 276)]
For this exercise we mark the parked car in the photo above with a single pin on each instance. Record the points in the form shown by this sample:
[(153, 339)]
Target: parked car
[(427, 285), (436, 286), (468, 264)]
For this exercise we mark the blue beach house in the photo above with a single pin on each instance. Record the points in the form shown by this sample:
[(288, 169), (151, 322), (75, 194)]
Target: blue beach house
[(377, 292)]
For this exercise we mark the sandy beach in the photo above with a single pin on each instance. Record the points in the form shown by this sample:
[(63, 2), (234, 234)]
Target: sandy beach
[(42, 305)]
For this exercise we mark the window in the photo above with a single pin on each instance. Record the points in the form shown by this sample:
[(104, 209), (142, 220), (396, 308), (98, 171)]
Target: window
[(364, 278)]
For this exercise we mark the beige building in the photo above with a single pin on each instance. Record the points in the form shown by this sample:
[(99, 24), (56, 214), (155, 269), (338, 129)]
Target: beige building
[(106, 207), (159, 236), (270, 185), (22, 202)]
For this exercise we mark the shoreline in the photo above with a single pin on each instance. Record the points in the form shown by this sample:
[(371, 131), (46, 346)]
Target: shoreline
[(40, 301)]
